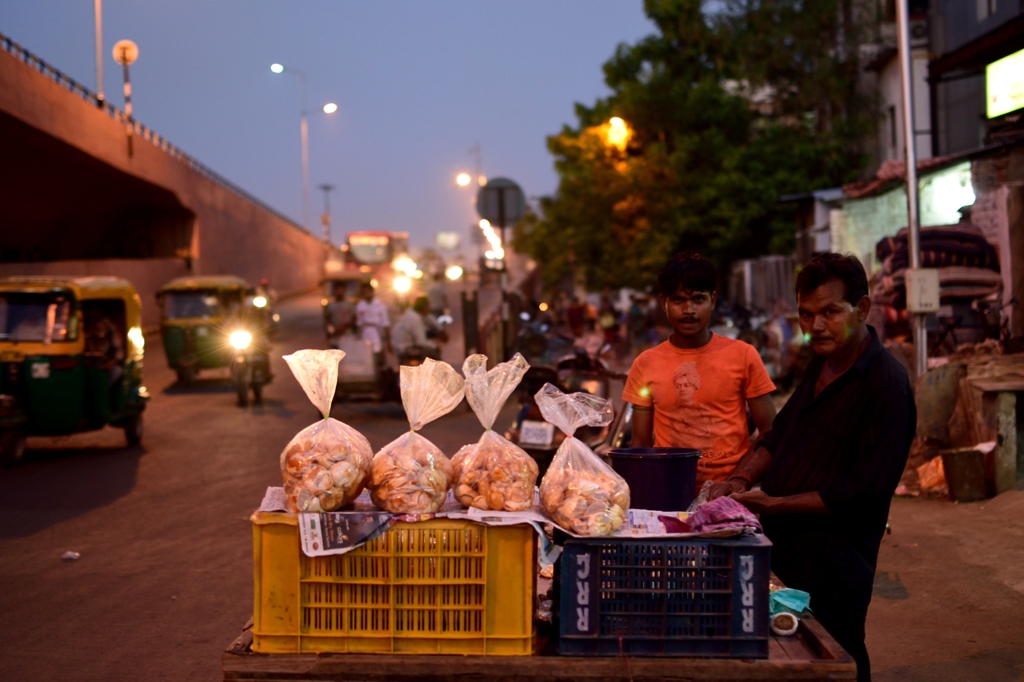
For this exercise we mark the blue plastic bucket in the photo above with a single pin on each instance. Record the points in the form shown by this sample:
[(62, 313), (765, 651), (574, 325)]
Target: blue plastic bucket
[(664, 479)]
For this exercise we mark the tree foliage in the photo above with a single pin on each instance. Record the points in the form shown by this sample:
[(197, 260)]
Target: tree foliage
[(727, 110)]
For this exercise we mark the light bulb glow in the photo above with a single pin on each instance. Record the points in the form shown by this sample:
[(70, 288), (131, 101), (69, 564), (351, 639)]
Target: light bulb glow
[(240, 339), (404, 264), (618, 133), (136, 337), (453, 273), (277, 68), (260, 301), (402, 284), (330, 108), (463, 179)]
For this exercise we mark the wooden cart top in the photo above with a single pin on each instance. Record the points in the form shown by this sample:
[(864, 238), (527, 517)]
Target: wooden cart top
[(810, 655)]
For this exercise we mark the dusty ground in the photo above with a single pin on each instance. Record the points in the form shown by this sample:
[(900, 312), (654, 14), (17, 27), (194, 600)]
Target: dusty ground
[(949, 594)]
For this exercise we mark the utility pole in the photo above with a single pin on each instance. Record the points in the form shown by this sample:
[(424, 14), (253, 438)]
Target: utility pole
[(98, 11), (913, 207), (305, 153)]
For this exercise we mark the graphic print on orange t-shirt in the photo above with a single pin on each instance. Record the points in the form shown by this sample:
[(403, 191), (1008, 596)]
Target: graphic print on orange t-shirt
[(698, 420), (699, 399)]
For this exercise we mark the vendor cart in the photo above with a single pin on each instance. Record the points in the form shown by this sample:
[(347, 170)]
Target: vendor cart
[(299, 641), (811, 654)]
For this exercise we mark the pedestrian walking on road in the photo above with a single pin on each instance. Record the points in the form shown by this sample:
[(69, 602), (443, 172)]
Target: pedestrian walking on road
[(834, 456), (373, 322)]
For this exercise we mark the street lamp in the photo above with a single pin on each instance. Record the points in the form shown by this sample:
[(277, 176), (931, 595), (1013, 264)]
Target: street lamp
[(463, 179), (329, 108), (125, 54), (618, 133)]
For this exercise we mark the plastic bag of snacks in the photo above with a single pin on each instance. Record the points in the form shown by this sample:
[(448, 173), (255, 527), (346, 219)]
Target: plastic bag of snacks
[(580, 492), (327, 464), (493, 473), (410, 475)]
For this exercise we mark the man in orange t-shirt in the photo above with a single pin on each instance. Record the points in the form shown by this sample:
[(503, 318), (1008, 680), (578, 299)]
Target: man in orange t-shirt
[(693, 390)]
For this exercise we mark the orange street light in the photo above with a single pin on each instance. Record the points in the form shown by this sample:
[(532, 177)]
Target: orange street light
[(618, 133)]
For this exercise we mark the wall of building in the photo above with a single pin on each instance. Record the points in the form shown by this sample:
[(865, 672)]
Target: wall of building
[(861, 223), (960, 103)]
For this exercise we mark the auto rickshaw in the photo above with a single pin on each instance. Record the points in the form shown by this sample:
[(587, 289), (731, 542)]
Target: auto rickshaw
[(195, 312), (70, 359)]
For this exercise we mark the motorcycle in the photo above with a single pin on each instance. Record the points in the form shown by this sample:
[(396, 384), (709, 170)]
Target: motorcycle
[(583, 370), (250, 366)]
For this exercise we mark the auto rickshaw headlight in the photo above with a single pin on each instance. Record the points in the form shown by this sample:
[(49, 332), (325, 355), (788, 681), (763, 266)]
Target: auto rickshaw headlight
[(240, 339), (260, 302), (137, 338)]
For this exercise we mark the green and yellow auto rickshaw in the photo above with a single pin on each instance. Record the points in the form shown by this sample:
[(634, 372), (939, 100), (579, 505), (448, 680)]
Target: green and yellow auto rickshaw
[(194, 323), (70, 359), (216, 322)]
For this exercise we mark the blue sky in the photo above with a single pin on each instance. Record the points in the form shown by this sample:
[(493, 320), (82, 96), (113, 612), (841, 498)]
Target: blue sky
[(417, 82)]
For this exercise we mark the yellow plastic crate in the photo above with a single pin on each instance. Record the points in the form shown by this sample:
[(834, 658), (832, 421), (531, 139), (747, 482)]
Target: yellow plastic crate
[(434, 587)]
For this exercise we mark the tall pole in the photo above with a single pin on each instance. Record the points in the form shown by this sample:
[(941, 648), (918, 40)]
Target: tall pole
[(305, 152), (913, 215), (98, 11)]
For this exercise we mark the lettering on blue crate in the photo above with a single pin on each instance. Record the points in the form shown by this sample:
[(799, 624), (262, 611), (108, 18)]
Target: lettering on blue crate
[(582, 592), (746, 573)]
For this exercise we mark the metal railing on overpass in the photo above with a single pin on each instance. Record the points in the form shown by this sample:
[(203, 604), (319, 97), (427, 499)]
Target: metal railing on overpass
[(74, 87)]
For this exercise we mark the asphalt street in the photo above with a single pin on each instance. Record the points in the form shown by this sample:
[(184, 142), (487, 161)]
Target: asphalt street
[(164, 582)]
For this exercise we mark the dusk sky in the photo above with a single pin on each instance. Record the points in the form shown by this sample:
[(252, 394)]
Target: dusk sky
[(417, 83)]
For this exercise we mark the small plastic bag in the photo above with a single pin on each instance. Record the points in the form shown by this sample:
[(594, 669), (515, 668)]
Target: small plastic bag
[(327, 464), (410, 475), (493, 473), (580, 492)]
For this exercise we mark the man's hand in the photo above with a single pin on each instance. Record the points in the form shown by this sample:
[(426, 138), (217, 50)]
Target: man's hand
[(756, 501), (723, 488)]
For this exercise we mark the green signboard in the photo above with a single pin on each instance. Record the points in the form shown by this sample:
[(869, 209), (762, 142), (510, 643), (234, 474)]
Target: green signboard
[(1004, 85)]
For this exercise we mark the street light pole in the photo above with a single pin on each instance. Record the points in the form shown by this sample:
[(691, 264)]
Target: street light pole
[(125, 53), (305, 152), (304, 133), (913, 214), (98, 11)]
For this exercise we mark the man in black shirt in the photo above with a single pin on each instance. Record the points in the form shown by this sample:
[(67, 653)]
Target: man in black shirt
[(835, 453)]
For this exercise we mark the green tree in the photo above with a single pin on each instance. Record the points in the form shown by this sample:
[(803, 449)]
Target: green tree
[(726, 111)]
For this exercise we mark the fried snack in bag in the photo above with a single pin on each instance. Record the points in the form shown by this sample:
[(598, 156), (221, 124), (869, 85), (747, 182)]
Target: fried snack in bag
[(580, 492), (410, 475), (327, 464), (493, 473)]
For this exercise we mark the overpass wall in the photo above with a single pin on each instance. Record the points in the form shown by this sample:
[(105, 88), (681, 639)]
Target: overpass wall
[(147, 276), (233, 233)]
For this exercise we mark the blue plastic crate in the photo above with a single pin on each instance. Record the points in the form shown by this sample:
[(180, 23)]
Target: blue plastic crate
[(665, 597)]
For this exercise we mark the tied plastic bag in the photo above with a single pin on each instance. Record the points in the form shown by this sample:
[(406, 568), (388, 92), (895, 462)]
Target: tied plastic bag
[(580, 492), (410, 475), (493, 474), (327, 464)]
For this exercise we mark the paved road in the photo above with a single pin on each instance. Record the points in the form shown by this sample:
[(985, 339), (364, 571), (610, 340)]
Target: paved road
[(164, 582)]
